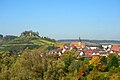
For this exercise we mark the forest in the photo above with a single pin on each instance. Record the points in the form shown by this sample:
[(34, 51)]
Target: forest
[(37, 64)]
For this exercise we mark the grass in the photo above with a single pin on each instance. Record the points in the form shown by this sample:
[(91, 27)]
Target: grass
[(30, 42), (47, 42)]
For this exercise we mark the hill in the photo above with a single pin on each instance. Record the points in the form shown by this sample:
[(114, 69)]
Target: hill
[(18, 44)]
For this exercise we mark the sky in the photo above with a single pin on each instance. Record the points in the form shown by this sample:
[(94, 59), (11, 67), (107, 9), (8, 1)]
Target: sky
[(62, 19)]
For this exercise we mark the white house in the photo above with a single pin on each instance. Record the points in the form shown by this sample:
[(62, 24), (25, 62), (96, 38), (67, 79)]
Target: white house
[(106, 47)]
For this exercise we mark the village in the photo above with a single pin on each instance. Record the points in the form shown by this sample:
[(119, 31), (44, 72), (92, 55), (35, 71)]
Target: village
[(85, 50)]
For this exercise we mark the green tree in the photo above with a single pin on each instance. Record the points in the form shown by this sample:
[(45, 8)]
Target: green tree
[(4, 74), (103, 64), (30, 65), (6, 61), (93, 74), (55, 70), (22, 69), (103, 60), (68, 57), (113, 74), (75, 65), (113, 62)]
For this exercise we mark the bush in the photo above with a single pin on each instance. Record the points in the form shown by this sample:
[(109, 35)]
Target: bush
[(90, 67)]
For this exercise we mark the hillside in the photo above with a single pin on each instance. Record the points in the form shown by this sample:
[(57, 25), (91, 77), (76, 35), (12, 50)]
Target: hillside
[(18, 44)]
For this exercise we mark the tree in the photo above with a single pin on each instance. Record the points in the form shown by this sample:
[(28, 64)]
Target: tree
[(9, 37), (22, 69), (95, 60), (102, 66), (110, 56), (82, 73), (30, 65), (4, 74), (93, 73), (6, 59), (68, 57), (113, 62), (1, 36), (113, 74), (30, 33), (55, 70), (75, 65), (103, 60), (49, 39), (100, 77)]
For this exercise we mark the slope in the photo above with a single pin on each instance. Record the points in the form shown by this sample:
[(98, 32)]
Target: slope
[(18, 44)]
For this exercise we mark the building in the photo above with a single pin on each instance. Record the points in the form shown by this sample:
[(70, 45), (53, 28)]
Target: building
[(107, 47), (115, 48), (78, 44)]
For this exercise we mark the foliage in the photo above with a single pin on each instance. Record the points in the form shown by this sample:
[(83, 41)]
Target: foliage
[(9, 37), (74, 66), (114, 73), (95, 60), (30, 33), (55, 71), (49, 39), (67, 57), (90, 67), (113, 62), (93, 73), (52, 47), (1, 36), (38, 64), (103, 60)]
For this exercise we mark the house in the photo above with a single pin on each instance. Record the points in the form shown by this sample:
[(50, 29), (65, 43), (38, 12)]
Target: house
[(92, 47), (103, 53), (81, 52), (78, 44), (88, 53), (107, 47), (95, 54), (115, 48), (63, 50)]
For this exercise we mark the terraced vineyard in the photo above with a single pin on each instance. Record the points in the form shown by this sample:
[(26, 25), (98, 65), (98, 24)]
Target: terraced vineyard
[(20, 43)]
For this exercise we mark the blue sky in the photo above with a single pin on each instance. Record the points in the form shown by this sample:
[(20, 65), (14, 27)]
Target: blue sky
[(62, 19)]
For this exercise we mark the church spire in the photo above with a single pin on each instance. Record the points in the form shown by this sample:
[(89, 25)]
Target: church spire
[(80, 40)]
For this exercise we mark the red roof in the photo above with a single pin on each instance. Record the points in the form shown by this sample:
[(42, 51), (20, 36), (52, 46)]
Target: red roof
[(94, 51), (74, 43), (115, 48), (88, 52)]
